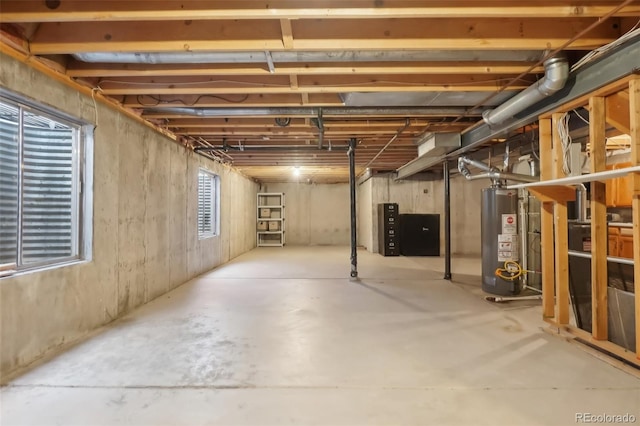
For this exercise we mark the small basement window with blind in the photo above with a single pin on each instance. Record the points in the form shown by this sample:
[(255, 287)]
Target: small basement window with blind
[(42, 172), (208, 223)]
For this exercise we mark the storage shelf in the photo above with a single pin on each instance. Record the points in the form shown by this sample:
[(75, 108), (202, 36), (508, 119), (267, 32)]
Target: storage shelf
[(270, 202), (573, 180)]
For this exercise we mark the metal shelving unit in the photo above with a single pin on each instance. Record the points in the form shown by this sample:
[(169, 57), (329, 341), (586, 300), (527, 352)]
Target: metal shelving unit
[(270, 229)]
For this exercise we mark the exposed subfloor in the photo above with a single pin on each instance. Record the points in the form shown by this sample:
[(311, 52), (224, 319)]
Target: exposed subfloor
[(282, 336)]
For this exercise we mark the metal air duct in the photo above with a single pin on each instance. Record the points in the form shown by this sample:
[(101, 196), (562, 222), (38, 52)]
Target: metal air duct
[(556, 74)]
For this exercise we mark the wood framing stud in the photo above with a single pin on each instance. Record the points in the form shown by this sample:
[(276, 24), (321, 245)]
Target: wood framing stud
[(546, 223), (561, 262), (548, 270), (556, 146), (634, 132), (546, 170), (560, 228), (599, 233)]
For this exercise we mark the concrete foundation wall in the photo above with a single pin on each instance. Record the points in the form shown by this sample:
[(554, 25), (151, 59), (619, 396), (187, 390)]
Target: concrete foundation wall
[(425, 197), (315, 214), (365, 215), (145, 239)]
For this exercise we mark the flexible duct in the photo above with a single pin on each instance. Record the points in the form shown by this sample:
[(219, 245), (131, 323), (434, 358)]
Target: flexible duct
[(556, 74)]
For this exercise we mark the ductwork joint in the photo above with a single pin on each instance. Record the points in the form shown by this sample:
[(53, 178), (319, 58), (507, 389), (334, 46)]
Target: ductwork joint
[(556, 75)]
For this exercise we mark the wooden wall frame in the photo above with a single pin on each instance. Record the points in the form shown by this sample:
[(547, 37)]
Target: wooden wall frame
[(606, 105)]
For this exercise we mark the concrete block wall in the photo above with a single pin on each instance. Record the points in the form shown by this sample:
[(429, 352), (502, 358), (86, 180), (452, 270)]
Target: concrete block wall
[(315, 214), (424, 197), (145, 239)]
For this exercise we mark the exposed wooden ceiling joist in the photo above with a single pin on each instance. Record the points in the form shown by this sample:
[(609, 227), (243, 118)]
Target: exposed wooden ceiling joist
[(84, 69), (217, 73), (309, 35), (75, 11), (307, 84)]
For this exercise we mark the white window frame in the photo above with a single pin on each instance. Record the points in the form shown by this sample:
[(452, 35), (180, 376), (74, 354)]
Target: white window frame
[(211, 229), (82, 186)]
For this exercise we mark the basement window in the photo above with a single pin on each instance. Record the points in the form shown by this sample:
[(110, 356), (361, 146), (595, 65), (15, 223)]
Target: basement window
[(43, 219), (208, 204)]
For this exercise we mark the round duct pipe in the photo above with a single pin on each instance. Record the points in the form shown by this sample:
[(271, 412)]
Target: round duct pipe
[(556, 74)]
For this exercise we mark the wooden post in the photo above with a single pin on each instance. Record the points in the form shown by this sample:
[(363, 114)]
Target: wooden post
[(546, 224), (599, 233), (561, 231), (634, 110)]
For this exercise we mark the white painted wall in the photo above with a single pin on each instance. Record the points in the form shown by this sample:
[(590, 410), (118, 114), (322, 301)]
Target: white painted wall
[(144, 229), (315, 214)]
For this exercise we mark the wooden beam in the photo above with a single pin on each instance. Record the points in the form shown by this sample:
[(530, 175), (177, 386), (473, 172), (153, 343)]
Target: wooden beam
[(279, 84), (546, 224), (261, 121), (561, 231), (76, 10), (599, 229), (276, 131), (85, 69), (634, 132), (287, 33), (550, 194), (617, 111), (319, 34), (556, 146), (606, 90)]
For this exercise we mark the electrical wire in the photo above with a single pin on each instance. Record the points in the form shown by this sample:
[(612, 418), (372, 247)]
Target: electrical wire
[(580, 116), (565, 140), (497, 81), (513, 269), (633, 32), (541, 61), (190, 83), (160, 101), (95, 103)]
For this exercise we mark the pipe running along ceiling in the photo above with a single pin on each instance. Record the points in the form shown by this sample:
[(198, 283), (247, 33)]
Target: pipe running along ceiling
[(231, 74)]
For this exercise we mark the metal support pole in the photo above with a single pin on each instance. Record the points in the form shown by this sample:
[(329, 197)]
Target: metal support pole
[(447, 222), (352, 189)]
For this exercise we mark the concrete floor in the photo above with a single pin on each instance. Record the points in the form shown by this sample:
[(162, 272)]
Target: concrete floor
[(280, 336)]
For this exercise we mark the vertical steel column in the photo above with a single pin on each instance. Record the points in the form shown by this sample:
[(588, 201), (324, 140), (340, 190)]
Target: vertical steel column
[(447, 222), (352, 188)]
